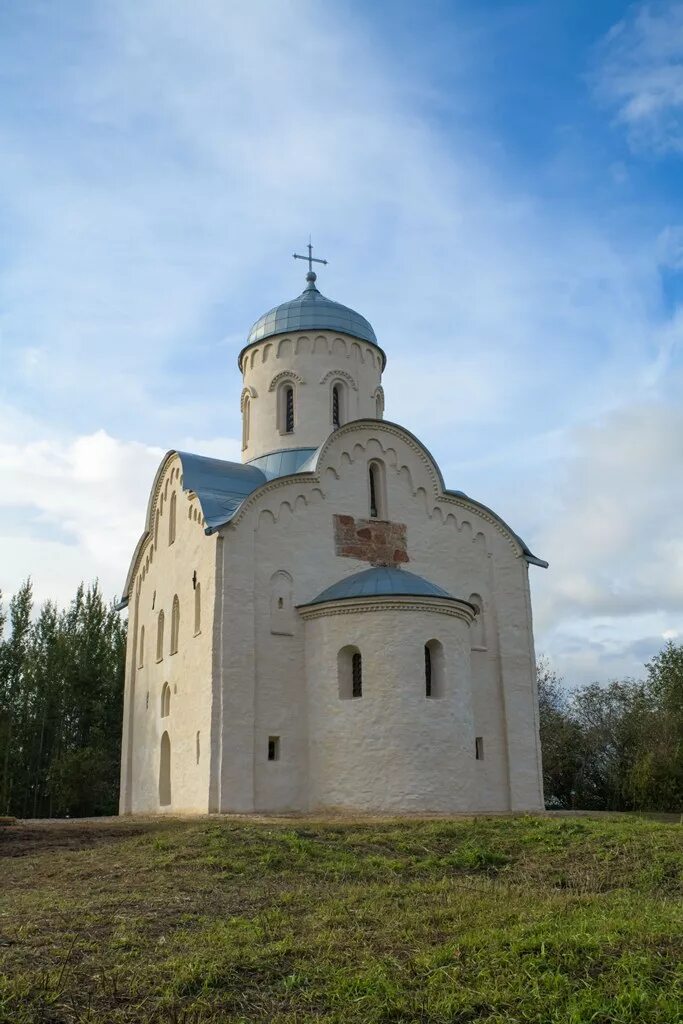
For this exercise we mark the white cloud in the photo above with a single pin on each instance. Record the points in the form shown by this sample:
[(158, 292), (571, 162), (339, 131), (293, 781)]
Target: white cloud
[(614, 543), (73, 508), (640, 75)]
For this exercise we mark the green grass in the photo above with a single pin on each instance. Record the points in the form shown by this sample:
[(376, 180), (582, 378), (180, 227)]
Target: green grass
[(492, 920)]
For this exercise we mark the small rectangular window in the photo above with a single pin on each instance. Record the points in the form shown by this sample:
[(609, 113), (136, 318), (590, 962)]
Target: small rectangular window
[(273, 748), (479, 748)]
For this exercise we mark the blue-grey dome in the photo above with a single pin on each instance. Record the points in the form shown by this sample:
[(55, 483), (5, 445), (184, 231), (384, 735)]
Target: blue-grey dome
[(382, 581), (310, 311)]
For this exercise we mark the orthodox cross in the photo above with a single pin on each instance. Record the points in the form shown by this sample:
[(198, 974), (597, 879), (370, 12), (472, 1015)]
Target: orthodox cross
[(311, 258)]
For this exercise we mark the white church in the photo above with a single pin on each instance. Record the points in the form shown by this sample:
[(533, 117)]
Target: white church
[(325, 625)]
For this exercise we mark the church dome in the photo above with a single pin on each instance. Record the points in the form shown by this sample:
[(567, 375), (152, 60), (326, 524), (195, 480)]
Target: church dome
[(382, 581), (310, 311)]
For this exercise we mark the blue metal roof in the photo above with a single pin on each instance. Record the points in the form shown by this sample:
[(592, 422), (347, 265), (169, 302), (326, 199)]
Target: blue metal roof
[(283, 463), (310, 311), (220, 486), (381, 581), (526, 551)]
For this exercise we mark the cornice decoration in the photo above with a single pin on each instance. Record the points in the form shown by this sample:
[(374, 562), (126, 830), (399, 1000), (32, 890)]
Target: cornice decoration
[(247, 392), (285, 375), (455, 608), (342, 374)]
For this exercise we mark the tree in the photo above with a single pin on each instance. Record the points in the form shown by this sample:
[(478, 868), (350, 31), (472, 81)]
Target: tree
[(561, 739), (61, 692), (14, 697), (657, 778)]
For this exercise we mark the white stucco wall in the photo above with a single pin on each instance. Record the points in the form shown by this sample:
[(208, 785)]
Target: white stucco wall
[(393, 748), (163, 571), (312, 363)]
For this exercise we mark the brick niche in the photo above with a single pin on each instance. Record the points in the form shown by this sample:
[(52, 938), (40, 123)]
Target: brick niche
[(370, 540)]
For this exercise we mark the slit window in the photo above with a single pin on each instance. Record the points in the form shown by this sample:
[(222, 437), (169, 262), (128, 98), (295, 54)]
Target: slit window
[(171, 519), (289, 409), (160, 636), (350, 673), (478, 627), (336, 417), (141, 653), (246, 414), (197, 608), (434, 670), (175, 624), (479, 748), (377, 488), (273, 748), (357, 675)]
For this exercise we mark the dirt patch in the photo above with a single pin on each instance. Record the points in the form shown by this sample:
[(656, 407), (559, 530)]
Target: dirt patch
[(30, 837)]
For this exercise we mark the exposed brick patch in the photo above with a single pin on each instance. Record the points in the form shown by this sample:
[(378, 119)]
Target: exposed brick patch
[(371, 540)]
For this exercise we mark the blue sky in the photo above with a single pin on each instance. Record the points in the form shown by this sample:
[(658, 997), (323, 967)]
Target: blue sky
[(497, 187)]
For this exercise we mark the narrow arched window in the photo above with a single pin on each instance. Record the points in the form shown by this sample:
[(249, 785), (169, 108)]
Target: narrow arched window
[(246, 417), (171, 518), (428, 671), (197, 608), (175, 624), (285, 407), (165, 701), (141, 652), (350, 673), (378, 502), (289, 409), (478, 627), (338, 411), (160, 636), (165, 771), (378, 407), (434, 670), (156, 528), (357, 675)]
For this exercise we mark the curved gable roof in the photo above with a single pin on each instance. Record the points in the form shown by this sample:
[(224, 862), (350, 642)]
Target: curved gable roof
[(314, 461), (222, 487)]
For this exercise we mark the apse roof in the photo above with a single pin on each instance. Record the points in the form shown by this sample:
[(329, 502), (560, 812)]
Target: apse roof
[(381, 581), (310, 311)]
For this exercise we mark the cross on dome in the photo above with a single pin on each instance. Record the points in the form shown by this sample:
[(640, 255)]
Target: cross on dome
[(311, 275)]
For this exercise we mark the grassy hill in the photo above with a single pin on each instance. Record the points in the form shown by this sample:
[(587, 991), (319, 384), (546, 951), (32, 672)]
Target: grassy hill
[(190, 921)]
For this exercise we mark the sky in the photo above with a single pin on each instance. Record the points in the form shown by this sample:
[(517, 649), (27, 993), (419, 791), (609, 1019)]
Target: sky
[(498, 188)]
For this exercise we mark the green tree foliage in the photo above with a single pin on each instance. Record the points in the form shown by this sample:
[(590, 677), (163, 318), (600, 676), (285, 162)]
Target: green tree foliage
[(61, 692), (617, 747)]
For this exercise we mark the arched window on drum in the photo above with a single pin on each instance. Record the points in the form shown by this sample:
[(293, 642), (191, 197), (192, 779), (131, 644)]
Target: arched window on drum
[(434, 669), (286, 420), (350, 673)]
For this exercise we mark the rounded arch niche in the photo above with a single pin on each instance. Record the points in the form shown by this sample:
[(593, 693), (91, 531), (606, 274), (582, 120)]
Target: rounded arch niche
[(165, 771)]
